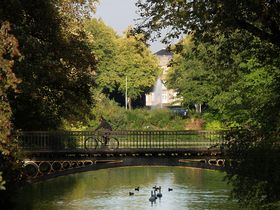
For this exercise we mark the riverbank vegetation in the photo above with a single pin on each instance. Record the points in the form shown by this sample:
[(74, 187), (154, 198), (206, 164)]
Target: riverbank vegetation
[(54, 58), (62, 69), (228, 62)]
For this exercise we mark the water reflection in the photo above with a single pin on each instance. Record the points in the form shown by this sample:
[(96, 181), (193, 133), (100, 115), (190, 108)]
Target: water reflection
[(109, 189)]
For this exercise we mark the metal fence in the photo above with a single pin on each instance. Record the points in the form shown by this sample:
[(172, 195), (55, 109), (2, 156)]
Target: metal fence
[(132, 139)]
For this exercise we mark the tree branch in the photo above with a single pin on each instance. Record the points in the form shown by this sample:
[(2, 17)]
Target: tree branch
[(271, 37)]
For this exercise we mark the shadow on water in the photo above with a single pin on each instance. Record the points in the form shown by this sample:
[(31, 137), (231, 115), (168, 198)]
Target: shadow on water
[(109, 189)]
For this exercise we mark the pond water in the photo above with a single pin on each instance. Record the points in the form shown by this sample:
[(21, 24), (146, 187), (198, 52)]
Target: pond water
[(109, 189)]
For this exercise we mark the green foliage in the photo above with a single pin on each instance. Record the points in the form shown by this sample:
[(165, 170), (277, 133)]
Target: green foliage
[(105, 48), (206, 18), (252, 167), (159, 119), (214, 125), (121, 57), (245, 100), (54, 71), (213, 122), (8, 80), (57, 65), (113, 113), (9, 159), (137, 119), (190, 74), (233, 67), (234, 75)]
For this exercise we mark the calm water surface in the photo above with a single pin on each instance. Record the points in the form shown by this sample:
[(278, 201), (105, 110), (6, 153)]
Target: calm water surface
[(109, 189)]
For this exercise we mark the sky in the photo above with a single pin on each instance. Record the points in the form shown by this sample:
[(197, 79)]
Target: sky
[(119, 14)]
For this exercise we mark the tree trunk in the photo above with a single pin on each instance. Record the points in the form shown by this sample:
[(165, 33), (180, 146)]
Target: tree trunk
[(129, 103), (198, 108)]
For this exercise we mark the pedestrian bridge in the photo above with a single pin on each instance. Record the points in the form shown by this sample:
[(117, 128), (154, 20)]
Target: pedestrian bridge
[(48, 154)]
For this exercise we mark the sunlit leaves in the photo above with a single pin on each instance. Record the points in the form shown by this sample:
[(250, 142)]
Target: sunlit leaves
[(8, 80), (57, 69), (206, 18), (121, 57), (9, 164)]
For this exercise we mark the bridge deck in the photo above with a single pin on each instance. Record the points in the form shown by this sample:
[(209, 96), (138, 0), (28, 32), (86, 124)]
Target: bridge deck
[(75, 140), (50, 154)]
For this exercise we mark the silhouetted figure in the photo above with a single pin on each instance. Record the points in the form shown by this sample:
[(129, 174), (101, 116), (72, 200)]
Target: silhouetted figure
[(137, 189), (103, 125), (131, 193), (170, 189), (106, 129)]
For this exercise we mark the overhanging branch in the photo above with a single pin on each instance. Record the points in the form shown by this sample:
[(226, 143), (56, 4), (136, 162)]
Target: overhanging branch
[(271, 37)]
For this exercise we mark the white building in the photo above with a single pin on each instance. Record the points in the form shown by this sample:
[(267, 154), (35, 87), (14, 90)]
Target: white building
[(161, 96)]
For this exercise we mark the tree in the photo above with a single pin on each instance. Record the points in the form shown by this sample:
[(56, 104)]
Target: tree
[(190, 75), (57, 65), (137, 63), (9, 162), (121, 57), (228, 74), (105, 48), (246, 68), (244, 72), (258, 17), (252, 168)]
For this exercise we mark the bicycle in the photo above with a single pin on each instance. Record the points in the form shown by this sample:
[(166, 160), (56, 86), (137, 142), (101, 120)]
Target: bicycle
[(104, 141)]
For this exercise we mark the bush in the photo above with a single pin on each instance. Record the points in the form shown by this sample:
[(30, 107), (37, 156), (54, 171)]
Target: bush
[(137, 119), (214, 125)]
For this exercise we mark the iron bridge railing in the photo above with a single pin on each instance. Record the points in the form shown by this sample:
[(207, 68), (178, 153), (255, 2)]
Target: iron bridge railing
[(132, 139)]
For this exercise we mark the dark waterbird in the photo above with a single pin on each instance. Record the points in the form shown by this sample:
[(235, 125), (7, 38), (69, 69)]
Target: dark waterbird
[(131, 193), (156, 188), (159, 195), (153, 197), (137, 189), (170, 189)]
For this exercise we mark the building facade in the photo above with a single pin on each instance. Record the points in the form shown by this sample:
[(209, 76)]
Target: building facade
[(161, 96)]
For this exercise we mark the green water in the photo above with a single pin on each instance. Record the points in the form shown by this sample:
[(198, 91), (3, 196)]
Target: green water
[(109, 189)]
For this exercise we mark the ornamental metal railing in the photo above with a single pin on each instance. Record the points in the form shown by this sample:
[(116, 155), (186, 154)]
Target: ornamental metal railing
[(131, 139)]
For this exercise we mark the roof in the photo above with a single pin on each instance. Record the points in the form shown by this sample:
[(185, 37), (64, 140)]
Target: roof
[(163, 52)]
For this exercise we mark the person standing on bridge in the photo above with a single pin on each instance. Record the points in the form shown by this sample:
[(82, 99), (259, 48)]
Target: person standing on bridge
[(105, 129)]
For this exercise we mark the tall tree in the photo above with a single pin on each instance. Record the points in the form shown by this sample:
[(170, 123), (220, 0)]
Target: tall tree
[(105, 47), (57, 65), (9, 162), (247, 69), (244, 72), (120, 58), (138, 64), (190, 73), (259, 17)]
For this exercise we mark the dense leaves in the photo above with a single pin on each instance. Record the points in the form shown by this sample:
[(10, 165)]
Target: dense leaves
[(57, 65), (49, 80), (253, 168), (121, 57), (235, 75), (136, 119), (260, 18), (9, 162), (233, 67), (190, 74)]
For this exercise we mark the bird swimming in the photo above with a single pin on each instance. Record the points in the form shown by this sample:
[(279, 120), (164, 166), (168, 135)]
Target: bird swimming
[(153, 197), (159, 193), (156, 188), (131, 193)]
